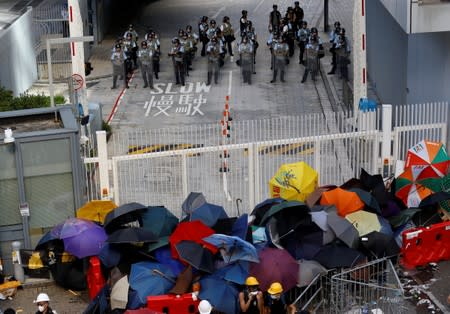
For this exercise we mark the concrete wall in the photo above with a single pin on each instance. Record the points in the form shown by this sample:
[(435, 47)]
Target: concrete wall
[(387, 48), (18, 61), (399, 9), (428, 67)]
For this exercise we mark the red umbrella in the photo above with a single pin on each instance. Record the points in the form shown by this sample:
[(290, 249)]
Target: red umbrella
[(275, 265), (142, 311), (191, 231)]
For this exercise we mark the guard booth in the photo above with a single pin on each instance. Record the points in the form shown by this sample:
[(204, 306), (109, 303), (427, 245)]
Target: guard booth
[(40, 175)]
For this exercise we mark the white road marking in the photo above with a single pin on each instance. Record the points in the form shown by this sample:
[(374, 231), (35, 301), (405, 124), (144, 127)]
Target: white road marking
[(257, 7), (230, 79), (218, 12)]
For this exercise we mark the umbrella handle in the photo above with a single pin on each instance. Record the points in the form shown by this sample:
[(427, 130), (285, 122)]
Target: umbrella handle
[(238, 200), (156, 271)]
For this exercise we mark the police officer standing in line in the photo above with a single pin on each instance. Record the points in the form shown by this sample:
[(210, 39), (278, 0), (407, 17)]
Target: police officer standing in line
[(154, 44), (213, 51), (129, 67), (299, 14), (343, 55), (131, 39), (271, 41), (202, 30), (313, 48), (177, 52), (228, 33), (274, 19), (280, 53), (251, 35), (289, 35), (145, 56), (334, 37), (118, 60), (188, 46), (302, 37), (246, 59), (192, 37)]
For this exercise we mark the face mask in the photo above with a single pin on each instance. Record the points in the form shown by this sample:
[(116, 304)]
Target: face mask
[(41, 308), (274, 297)]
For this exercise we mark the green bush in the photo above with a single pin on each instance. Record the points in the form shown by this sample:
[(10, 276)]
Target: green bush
[(25, 101)]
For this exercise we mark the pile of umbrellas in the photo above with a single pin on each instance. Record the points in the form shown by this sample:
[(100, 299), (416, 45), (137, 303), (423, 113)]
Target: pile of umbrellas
[(302, 231)]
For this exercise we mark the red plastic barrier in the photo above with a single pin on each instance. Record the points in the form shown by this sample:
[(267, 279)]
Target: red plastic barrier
[(95, 279), (173, 304), (426, 245)]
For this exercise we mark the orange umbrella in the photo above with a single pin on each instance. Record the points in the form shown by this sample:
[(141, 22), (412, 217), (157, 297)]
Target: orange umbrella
[(345, 201)]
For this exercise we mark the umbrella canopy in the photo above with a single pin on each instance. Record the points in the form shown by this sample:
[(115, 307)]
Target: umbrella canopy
[(46, 239), (240, 227), (403, 217), (368, 199), (260, 210), (71, 227), (159, 220), (346, 202), (191, 231), (293, 181), (192, 202), (184, 281), (375, 185), (222, 295), (124, 214), (132, 235), (235, 272), (148, 278), (315, 196), (208, 214), (364, 222), (163, 241), (119, 294), (344, 230), (233, 248), (109, 255), (434, 199), (408, 189), (164, 256), (308, 270), (288, 215), (196, 255), (275, 266), (96, 210), (431, 154), (305, 246), (379, 244), (88, 242), (334, 256)]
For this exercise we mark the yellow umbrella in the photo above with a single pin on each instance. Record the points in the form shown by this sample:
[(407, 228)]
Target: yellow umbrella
[(365, 222), (96, 210), (293, 182)]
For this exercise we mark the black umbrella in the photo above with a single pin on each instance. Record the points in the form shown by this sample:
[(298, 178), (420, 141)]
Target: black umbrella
[(434, 199), (196, 255), (262, 208), (126, 214), (379, 244), (132, 235), (224, 225), (374, 184), (335, 256)]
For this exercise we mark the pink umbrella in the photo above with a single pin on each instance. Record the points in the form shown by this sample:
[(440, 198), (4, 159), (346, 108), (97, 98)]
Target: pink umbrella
[(276, 265)]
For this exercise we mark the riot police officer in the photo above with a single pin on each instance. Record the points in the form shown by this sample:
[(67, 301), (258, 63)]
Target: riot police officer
[(280, 53), (334, 37), (177, 54), (145, 56), (313, 50), (213, 51), (154, 44), (343, 55), (274, 19), (202, 30), (131, 47), (243, 23), (302, 37), (246, 59), (228, 33), (117, 60)]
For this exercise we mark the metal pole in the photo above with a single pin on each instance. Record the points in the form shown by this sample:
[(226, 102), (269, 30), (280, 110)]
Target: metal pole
[(325, 15), (50, 74)]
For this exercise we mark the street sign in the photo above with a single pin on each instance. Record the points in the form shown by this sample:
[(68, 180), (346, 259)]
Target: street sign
[(77, 81)]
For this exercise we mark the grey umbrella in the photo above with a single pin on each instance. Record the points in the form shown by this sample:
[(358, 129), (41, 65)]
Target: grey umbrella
[(192, 202), (344, 230), (367, 199), (308, 270)]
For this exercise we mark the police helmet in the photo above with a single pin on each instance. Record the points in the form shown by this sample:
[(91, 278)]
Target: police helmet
[(180, 32), (175, 40), (144, 43), (304, 23), (342, 32), (249, 23), (314, 30), (244, 12), (188, 28), (212, 22), (296, 3), (118, 46), (337, 24), (129, 35), (225, 19), (204, 19), (275, 6), (245, 39)]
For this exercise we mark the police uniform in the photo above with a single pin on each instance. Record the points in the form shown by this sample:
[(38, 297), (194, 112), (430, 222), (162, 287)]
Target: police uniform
[(188, 48), (302, 37), (334, 37), (243, 23), (280, 53), (246, 60), (342, 56), (145, 56), (274, 19), (228, 34), (312, 58), (130, 48), (213, 51), (251, 35), (177, 52), (202, 30), (154, 44), (117, 60)]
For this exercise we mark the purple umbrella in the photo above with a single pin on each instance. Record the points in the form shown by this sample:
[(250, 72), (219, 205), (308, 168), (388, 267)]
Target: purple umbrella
[(275, 266), (88, 242), (71, 227)]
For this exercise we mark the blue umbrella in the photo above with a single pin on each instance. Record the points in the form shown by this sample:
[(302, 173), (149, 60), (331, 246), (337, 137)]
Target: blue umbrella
[(46, 239), (240, 227), (148, 278), (109, 256), (192, 202), (159, 220), (233, 248), (222, 295), (208, 214), (164, 256), (236, 272), (87, 243)]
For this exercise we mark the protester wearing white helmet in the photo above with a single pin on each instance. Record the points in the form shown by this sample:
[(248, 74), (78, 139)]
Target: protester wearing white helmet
[(204, 307), (42, 302)]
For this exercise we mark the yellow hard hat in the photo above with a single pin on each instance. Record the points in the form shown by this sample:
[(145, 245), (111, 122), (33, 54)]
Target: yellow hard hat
[(275, 288), (251, 281)]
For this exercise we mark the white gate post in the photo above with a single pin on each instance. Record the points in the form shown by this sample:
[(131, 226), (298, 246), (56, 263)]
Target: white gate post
[(386, 140), (103, 165), (251, 176)]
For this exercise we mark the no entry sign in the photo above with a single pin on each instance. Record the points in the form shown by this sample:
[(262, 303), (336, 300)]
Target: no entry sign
[(77, 81)]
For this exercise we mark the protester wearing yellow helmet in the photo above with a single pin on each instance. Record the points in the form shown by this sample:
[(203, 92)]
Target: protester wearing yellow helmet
[(251, 299), (276, 303)]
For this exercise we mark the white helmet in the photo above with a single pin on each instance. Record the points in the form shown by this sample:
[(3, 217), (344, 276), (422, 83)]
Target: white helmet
[(42, 297), (204, 307)]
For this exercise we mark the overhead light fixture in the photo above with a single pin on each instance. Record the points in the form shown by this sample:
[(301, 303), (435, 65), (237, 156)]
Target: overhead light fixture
[(8, 136)]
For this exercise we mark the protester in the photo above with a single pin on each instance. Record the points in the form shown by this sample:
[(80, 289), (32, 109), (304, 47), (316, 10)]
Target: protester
[(276, 302), (43, 303), (251, 300)]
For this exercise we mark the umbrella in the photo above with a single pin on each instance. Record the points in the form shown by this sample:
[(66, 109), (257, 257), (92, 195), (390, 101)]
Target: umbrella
[(125, 214), (365, 222), (434, 199), (224, 225), (235, 272), (208, 214), (109, 255), (240, 227), (132, 235), (289, 214), (260, 210), (275, 265), (196, 255), (148, 278), (163, 241), (184, 282), (193, 201), (320, 218), (46, 239), (308, 270), (403, 217), (164, 256), (233, 248), (293, 181), (380, 244), (71, 227), (119, 294), (315, 196), (96, 210), (305, 247), (191, 231), (408, 189), (375, 185), (100, 302), (343, 229), (430, 154), (159, 220), (345, 201), (259, 235), (367, 199), (222, 295), (88, 242), (334, 256)]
